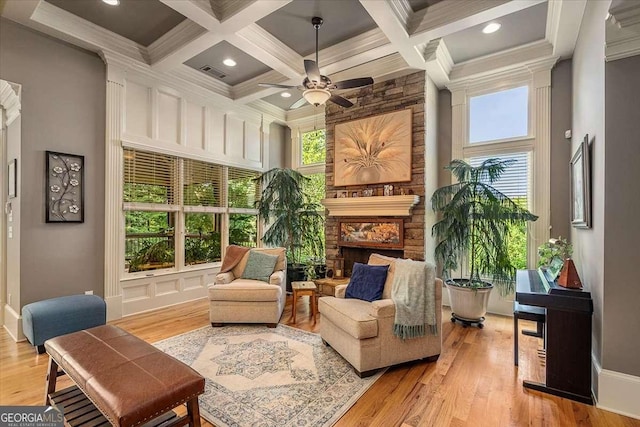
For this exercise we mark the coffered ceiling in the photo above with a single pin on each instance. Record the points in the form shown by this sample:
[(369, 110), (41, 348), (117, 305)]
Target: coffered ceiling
[(269, 40)]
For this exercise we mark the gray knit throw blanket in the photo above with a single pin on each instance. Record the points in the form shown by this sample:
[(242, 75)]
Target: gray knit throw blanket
[(413, 294)]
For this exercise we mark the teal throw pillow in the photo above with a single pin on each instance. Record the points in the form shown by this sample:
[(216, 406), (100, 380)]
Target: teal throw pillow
[(260, 266)]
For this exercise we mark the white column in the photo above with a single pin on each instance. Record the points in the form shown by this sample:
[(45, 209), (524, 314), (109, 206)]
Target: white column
[(541, 162), (458, 122), (114, 252)]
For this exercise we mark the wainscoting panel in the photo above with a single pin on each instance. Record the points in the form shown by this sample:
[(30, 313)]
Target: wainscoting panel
[(138, 110), (195, 126), (168, 117)]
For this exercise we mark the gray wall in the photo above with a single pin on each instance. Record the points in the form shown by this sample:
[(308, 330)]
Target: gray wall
[(63, 109), (277, 144), (588, 118), (444, 136), (560, 149), (621, 345)]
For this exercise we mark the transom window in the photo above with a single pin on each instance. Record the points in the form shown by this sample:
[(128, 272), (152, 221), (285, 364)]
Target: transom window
[(313, 147), (499, 115)]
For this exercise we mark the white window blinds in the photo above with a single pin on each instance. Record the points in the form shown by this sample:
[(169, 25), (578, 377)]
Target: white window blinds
[(149, 177), (514, 181), (202, 184)]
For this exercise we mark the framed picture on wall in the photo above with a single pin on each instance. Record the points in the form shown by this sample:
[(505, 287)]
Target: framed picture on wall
[(374, 150), (64, 190), (581, 186)]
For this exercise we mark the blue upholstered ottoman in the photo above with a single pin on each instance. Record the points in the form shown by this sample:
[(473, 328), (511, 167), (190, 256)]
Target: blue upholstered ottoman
[(59, 316)]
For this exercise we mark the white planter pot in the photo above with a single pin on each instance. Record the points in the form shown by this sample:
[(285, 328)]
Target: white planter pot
[(468, 304)]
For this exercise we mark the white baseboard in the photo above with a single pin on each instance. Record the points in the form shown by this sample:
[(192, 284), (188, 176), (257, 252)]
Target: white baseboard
[(13, 324), (617, 392)]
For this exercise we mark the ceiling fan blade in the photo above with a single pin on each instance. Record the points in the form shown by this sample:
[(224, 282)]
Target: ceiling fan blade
[(341, 101), (351, 83), (312, 70), (276, 85), (299, 103)]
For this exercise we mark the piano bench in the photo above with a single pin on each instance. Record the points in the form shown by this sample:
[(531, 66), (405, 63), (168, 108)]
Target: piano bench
[(527, 312)]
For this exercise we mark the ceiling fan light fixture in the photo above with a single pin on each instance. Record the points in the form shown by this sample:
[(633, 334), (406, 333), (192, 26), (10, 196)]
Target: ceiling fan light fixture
[(491, 27), (316, 96), (112, 2)]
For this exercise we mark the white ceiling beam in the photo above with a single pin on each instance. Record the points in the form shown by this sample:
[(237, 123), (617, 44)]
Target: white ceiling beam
[(268, 49), (181, 35), (451, 16), (563, 25), (392, 20), (19, 11), (196, 11)]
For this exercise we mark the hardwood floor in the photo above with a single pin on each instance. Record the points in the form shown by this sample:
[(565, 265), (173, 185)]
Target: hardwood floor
[(474, 383)]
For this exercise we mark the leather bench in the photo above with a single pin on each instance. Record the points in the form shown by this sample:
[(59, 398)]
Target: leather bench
[(128, 380)]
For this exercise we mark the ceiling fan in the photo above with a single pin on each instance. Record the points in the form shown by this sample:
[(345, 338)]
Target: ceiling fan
[(317, 88)]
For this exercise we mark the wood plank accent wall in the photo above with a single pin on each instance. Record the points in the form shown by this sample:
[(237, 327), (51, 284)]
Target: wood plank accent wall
[(384, 97)]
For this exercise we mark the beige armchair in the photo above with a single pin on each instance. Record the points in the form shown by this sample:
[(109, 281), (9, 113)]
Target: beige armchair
[(362, 332), (233, 299)]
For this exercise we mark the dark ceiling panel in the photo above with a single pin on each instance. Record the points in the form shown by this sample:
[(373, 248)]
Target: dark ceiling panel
[(284, 103), (247, 66), (143, 21), (291, 24), (525, 26)]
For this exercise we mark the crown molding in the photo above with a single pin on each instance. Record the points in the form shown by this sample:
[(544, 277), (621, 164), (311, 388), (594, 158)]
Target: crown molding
[(10, 101), (306, 116), (371, 206), (276, 114), (623, 32), (626, 15), (180, 35), (501, 61), (355, 46), (186, 73), (249, 91), (64, 25), (438, 62)]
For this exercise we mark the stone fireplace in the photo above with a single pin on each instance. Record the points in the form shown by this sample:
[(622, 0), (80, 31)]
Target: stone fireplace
[(391, 95)]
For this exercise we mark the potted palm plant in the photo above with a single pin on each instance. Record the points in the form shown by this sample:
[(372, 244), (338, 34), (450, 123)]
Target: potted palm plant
[(473, 232), (293, 220)]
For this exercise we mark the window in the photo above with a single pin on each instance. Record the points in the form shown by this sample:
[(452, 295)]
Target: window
[(514, 183), (212, 198), (313, 147), (499, 115), (150, 208)]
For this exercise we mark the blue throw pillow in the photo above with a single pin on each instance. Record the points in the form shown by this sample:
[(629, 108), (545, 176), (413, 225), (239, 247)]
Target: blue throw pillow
[(259, 266), (367, 282)]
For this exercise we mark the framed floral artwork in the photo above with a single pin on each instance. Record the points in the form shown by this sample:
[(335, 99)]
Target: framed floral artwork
[(65, 187), (374, 150), (379, 234)]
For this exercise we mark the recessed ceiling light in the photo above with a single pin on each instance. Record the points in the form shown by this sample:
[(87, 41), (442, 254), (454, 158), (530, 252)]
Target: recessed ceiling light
[(285, 95), (491, 28), (229, 62), (112, 2)]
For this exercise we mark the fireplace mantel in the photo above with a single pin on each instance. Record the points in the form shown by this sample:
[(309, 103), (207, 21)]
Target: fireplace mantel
[(371, 206)]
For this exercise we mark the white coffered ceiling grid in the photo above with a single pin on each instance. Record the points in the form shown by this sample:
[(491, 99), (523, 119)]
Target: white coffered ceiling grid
[(387, 37)]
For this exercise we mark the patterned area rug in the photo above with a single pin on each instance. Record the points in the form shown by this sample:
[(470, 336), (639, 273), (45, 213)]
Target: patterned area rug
[(257, 376)]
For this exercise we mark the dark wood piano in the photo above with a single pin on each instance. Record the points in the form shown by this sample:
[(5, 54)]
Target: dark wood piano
[(567, 335)]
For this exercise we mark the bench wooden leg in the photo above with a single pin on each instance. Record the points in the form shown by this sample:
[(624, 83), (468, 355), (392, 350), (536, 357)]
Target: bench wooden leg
[(193, 411), (52, 376)]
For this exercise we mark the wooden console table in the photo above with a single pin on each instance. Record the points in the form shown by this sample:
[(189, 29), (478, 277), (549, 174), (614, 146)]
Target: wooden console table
[(120, 380), (327, 286)]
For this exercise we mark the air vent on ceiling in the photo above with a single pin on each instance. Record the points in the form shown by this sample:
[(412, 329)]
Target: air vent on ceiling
[(213, 71)]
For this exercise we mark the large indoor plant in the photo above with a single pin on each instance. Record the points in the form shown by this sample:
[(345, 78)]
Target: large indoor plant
[(293, 220), (473, 232)]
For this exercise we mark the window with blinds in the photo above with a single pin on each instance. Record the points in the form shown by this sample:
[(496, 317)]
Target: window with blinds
[(514, 182), (202, 184), (243, 188), (149, 177)]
